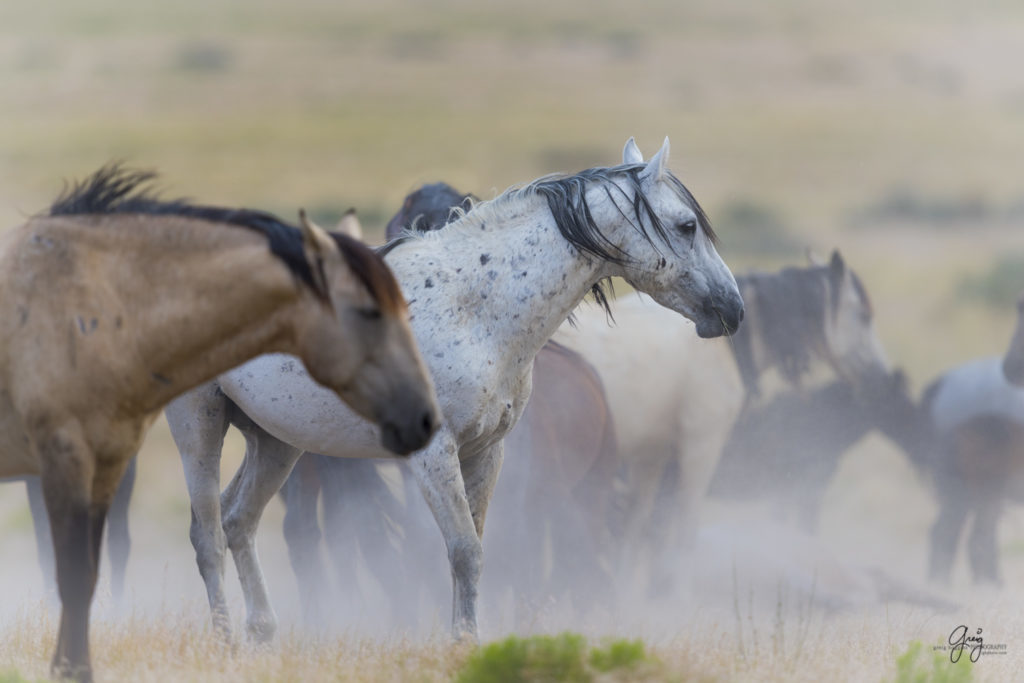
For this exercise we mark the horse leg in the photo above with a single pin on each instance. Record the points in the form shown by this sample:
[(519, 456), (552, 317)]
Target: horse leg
[(77, 488), (199, 419), (945, 534), (41, 527), (119, 542), (982, 542), (301, 493), (267, 464), (441, 479)]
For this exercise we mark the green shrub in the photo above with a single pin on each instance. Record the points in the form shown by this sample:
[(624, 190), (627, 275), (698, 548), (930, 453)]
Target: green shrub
[(914, 666), (562, 657)]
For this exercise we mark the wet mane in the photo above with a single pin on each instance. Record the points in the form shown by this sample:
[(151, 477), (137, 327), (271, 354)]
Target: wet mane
[(115, 189)]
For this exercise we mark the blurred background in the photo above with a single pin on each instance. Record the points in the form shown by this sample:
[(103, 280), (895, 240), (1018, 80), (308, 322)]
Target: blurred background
[(892, 130)]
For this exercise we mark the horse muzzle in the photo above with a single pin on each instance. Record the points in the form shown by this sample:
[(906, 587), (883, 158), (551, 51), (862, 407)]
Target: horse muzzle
[(721, 316)]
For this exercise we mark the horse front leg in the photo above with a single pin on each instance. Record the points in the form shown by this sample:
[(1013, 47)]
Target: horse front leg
[(445, 484), (267, 464), (199, 420), (77, 489)]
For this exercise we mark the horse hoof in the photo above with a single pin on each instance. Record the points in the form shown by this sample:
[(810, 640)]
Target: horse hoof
[(261, 631), (62, 670)]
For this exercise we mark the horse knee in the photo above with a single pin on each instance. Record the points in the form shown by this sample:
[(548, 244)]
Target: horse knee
[(466, 556)]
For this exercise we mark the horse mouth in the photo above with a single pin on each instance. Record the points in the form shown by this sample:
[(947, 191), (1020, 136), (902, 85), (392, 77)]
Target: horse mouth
[(715, 323)]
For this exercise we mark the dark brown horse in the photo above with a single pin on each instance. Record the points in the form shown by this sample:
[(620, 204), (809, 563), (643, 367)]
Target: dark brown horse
[(563, 449), (789, 449)]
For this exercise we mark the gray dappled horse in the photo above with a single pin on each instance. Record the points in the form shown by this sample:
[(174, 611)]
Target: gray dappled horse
[(485, 294), (557, 482)]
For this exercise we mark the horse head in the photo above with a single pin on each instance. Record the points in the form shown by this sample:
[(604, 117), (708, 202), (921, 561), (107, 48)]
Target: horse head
[(428, 208), (378, 372), (853, 344), (669, 250)]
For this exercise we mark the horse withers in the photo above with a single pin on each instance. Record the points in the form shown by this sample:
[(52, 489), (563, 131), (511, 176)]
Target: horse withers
[(114, 302), (485, 294)]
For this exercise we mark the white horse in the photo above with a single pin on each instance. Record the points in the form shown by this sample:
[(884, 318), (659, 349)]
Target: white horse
[(674, 397), (975, 460), (485, 294)]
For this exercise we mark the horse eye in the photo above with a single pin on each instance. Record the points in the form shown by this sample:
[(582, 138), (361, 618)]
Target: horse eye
[(689, 227), (369, 313)]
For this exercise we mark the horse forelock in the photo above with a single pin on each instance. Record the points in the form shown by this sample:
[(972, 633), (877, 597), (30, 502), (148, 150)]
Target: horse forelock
[(117, 190), (369, 268)]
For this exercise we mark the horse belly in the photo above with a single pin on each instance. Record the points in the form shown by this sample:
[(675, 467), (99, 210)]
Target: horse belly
[(277, 393)]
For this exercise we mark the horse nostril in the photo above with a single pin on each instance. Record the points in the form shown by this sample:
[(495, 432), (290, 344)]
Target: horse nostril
[(740, 319), (428, 423)]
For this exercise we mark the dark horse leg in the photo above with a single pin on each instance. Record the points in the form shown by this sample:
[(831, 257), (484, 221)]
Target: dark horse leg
[(982, 542), (41, 526), (301, 493), (945, 533), (119, 543), (78, 489)]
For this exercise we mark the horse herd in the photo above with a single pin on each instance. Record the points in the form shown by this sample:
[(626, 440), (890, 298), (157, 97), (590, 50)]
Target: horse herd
[(333, 358)]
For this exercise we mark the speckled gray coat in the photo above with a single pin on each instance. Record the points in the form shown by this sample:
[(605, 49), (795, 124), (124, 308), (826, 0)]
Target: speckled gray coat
[(484, 295)]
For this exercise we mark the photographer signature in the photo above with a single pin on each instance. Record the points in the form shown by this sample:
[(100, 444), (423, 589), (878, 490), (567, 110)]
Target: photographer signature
[(959, 639)]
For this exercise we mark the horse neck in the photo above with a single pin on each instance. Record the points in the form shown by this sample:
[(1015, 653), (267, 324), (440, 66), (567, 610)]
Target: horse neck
[(508, 268), (216, 290)]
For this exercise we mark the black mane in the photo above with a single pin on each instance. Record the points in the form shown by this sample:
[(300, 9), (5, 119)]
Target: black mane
[(792, 309), (567, 199), (117, 190)]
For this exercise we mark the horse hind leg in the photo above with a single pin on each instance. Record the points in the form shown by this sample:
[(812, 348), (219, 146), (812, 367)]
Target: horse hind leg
[(945, 535), (265, 468), (982, 543), (119, 542), (301, 493), (199, 420)]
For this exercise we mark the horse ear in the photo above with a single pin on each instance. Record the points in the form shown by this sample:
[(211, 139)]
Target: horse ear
[(631, 153), (836, 266), (658, 164), (349, 225), (813, 257), (316, 246)]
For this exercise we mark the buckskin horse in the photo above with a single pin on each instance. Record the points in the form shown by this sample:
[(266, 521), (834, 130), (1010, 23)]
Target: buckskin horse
[(113, 302)]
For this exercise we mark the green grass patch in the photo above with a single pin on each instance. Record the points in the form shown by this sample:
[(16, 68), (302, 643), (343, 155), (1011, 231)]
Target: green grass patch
[(915, 666), (562, 657)]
